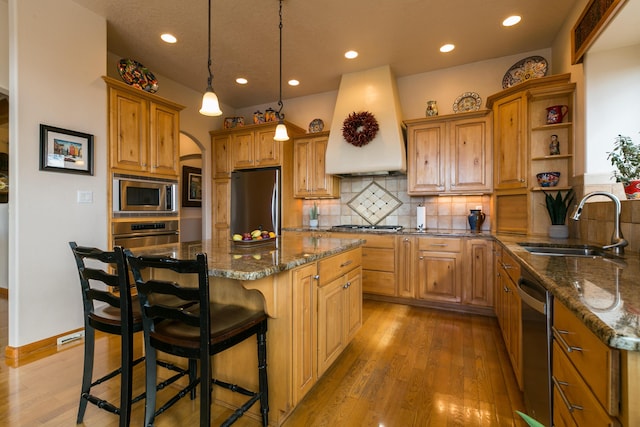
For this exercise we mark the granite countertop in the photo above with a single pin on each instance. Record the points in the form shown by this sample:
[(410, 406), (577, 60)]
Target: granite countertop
[(254, 261), (601, 291)]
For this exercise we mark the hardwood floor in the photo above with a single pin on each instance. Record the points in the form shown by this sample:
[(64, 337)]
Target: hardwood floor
[(406, 367)]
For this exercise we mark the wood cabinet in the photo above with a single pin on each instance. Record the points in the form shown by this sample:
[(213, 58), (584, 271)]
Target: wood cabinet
[(339, 305), (309, 176), (508, 309), (439, 269), (405, 246), (251, 147), (450, 154), (586, 372), (144, 132), (521, 138), (304, 338), (477, 286)]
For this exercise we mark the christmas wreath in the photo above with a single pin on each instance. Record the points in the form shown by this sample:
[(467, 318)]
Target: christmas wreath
[(359, 128)]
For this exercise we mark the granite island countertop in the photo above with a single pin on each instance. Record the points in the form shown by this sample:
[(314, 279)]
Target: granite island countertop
[(247, 261)]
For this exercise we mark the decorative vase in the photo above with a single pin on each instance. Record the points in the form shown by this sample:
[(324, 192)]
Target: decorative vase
[(313, 223), (432, 109), (632, 190), (558, 231), (476, 218)]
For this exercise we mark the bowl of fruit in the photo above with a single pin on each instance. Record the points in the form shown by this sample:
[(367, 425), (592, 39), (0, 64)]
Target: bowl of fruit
[(252, 238)]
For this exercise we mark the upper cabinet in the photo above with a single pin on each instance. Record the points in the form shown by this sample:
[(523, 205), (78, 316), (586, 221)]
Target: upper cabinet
[(144, 131), (309, 177), (533, 133), (449, 154)]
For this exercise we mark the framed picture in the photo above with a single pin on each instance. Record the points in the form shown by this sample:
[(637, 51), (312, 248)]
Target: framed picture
[(63, 150), (191, 187)]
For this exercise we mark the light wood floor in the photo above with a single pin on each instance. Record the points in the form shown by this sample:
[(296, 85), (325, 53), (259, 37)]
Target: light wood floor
[(406, 367)]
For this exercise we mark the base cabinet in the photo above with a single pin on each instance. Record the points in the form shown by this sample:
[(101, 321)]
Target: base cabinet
[(438, 269), (477, 286), (304, 339)]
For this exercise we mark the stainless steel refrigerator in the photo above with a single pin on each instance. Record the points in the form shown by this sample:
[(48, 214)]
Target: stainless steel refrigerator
[(255, 200)]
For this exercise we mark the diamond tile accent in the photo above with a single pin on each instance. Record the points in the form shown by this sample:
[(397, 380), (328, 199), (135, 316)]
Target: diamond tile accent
[(374, 203)]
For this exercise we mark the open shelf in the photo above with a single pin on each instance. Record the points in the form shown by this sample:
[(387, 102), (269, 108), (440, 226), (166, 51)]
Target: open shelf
[(556, 188), (553, 157)]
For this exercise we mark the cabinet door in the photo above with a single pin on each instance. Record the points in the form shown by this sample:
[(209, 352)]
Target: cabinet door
[(242, 151), (129, 130), (267, 150), (510, 152), (478, 283), (353, 303), (405, 266), (438, 276), (221, 197), (164, 140), (426, 159), (470, 155), (221, 156), (331, 323), (515, 329), (304, 339), (302, 172)]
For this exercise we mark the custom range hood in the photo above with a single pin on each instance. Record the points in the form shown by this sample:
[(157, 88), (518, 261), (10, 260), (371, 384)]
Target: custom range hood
[(373, 91)]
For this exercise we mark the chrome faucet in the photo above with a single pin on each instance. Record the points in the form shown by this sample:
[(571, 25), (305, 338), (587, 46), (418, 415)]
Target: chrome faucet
[(618, 242)]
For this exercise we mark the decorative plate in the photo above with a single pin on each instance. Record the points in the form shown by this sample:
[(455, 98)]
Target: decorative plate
[(529, 68), (137, 75), (316, 125), (468, 101)]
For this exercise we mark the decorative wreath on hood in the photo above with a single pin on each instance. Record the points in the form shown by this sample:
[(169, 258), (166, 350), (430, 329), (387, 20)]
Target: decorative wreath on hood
[(360, 128)]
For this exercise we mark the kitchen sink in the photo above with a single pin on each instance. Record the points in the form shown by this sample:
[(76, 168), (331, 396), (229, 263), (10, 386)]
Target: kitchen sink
[(567, 250)]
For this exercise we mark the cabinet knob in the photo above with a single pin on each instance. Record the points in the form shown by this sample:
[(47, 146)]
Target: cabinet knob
[(346, 285), (317, 277)]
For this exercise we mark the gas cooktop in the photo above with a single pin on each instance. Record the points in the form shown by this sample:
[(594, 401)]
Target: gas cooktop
[(352, 227)]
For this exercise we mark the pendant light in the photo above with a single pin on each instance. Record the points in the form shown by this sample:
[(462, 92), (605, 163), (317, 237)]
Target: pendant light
[(281, 129), (210, 104)]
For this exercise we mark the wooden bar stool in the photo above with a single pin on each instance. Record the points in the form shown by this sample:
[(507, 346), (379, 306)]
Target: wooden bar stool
[(197, 330), (109, 307)]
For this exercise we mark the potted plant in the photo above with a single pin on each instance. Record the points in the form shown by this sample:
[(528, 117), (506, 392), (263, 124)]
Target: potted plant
[(625, 156), (558, 207), (313, 215)]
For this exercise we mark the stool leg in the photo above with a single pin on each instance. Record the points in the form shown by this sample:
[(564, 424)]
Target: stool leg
[(262, 374), (126, 377), (151, 373), (193, 375), (87, 373)]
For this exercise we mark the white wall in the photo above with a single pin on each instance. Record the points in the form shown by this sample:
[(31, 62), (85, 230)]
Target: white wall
[(4, 88), (612, 90), (57, 55)]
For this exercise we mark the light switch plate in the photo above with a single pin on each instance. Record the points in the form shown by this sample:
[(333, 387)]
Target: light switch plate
[(85, 197)]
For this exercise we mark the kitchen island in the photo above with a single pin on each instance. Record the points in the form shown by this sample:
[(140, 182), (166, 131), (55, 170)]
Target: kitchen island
[(311, 290)]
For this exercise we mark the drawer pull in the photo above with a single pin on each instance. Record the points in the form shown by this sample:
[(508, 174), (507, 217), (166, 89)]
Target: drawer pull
[(346, 285), (506, 289), (344, 264), (557, 333), (570, 406), (440, 245), (506, 266)]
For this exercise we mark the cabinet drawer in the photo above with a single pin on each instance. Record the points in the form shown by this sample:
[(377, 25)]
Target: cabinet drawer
[(598, 364), (379, 283), (574, 393), (337, 265), (378, 259), (439, 244), (378, 241), (511, 266)]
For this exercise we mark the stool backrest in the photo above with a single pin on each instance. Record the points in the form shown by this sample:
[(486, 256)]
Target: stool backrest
[(100, 286), (171, 301)]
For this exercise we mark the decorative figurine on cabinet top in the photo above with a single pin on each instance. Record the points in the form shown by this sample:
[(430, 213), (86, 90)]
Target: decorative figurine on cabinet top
[(554, 146), (432, 109)]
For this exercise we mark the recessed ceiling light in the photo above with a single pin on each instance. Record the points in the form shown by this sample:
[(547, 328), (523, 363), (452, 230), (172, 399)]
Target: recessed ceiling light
[(512, 20), (447, 48), (350, 54), (293, 82), (242, 81), (169, 38)]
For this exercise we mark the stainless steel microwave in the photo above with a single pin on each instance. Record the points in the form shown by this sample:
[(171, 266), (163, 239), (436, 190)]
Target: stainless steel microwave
[(141, 194)]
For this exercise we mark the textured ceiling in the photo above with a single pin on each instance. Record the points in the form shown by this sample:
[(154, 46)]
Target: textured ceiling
[(405, 34)]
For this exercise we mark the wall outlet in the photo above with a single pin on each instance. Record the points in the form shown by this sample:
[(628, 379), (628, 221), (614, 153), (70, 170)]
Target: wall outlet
[(85, 197)]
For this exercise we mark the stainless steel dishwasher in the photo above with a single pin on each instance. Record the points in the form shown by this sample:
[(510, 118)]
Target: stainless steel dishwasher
[(537, 306)]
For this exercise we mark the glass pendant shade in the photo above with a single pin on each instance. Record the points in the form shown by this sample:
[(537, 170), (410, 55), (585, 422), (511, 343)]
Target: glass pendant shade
[(281, 132), (210, 104)]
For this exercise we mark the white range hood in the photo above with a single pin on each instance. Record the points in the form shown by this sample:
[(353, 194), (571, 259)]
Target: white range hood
[(373, 91)]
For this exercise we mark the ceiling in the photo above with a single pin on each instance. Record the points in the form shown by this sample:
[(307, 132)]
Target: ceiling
[(405, 34)]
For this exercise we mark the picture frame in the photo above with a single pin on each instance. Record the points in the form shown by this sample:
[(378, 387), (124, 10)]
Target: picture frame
[(64, 150), (191, 187)]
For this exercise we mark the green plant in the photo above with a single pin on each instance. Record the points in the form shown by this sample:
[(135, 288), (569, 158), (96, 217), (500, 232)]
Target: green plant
[(530, 421), (625, 156), (313, 212), (558, 206)]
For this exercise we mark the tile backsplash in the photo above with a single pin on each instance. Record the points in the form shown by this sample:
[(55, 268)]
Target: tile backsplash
[(443, 212)]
